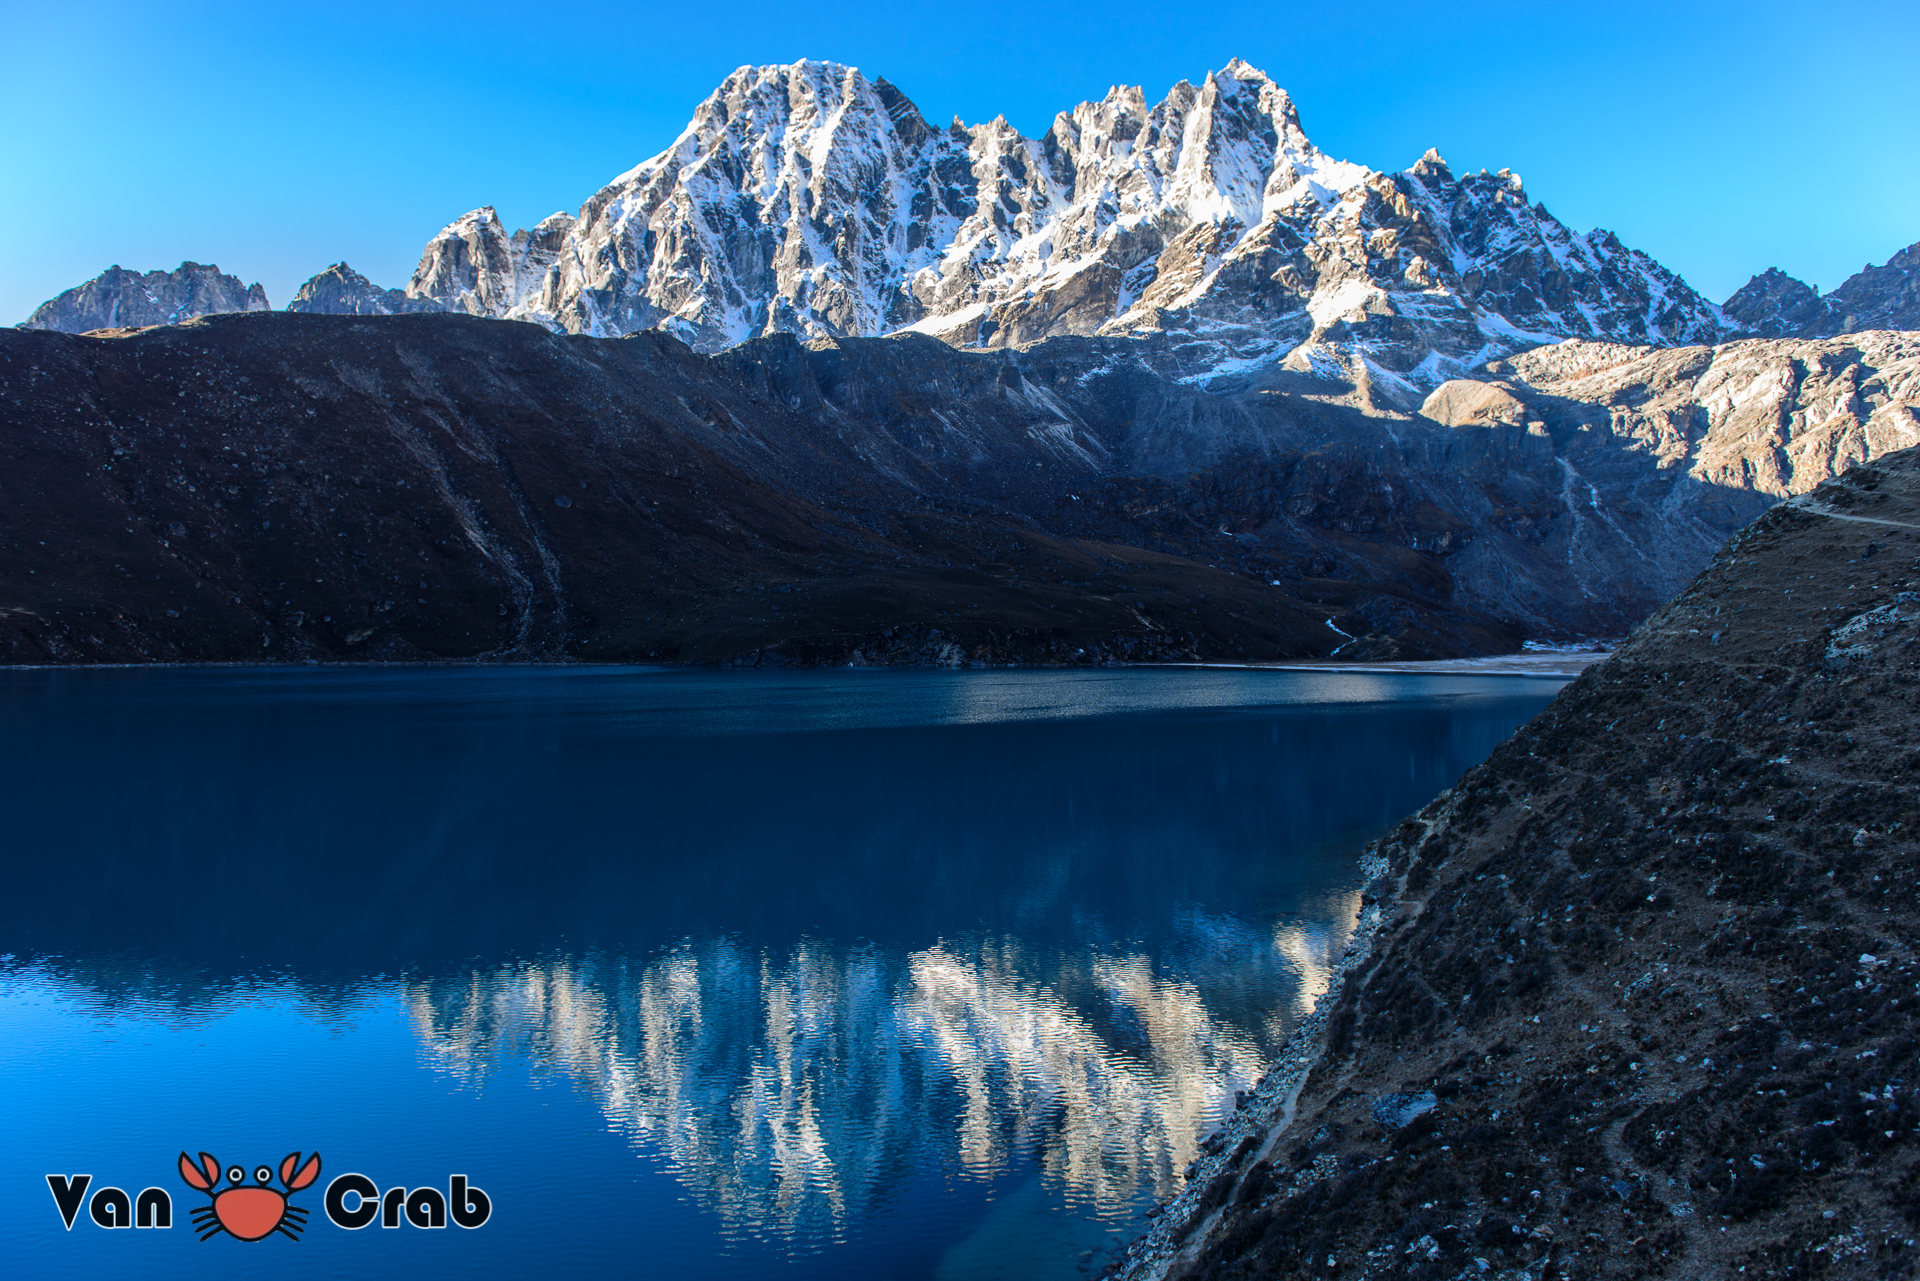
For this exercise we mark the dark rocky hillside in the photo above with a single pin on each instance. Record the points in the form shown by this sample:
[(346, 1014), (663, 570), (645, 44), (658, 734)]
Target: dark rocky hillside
[(281, 487), (289, 487), (1642, 990)]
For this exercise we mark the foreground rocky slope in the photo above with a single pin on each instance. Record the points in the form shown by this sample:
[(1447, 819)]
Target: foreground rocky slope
[(1642, 989), (286, 486)]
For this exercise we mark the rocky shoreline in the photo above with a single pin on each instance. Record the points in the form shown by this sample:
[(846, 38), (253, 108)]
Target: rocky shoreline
[(1636, 997)]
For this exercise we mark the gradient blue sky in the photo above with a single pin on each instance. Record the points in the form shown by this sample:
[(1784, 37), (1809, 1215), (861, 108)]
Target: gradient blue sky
[(274, 139)]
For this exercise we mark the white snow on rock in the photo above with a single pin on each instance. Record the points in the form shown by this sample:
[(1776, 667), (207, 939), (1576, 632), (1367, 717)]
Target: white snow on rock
[(807, 199)]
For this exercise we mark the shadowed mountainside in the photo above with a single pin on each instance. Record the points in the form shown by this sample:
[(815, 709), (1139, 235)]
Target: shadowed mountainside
[(280, 486), (286, 487)]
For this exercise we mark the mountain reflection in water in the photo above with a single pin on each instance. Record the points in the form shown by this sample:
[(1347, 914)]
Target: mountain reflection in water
[(849, 960), (791, 1094)]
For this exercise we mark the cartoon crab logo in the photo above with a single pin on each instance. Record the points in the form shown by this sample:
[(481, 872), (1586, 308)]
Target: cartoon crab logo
[(253, 1211)]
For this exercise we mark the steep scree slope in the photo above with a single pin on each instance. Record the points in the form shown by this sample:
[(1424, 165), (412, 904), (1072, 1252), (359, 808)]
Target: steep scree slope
[(1642, 989), (1661, 453)]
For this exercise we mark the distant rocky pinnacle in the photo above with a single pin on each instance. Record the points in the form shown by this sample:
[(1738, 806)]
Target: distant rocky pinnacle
[(1881, 297), (1775, 305), (342, 291), (121, 299)]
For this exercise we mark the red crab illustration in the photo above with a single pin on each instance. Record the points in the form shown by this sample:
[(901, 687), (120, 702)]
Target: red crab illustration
[(249, 1212)]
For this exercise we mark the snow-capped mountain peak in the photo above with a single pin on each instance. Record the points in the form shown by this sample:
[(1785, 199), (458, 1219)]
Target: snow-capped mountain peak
[(805, 198)]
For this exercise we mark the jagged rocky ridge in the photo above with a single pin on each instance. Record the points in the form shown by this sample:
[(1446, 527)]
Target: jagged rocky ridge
[(342, 291), (806, 199), (118, 299), (1776, 305), (287, 486), (1640, 998)]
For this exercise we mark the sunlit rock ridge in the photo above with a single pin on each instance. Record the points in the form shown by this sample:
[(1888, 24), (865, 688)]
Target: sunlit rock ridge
[(807, 199), (122, 299), (1775, 305)]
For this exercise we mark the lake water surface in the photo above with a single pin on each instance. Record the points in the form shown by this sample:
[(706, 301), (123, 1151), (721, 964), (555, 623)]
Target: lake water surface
[(712, 975)]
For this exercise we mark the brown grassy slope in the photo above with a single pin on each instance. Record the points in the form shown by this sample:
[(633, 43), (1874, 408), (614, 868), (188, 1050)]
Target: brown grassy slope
[(1654, 959)]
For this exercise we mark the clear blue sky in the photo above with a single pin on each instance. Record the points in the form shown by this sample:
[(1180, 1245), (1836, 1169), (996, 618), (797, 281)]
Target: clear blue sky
[(276, 138)]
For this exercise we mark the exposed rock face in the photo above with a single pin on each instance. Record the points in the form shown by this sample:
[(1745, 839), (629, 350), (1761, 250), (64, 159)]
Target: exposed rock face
[(1775, 417), (1640, 999), (1059, 502), (1776, 305), (806, 199), (1885, 297), (474, 266), (342, 291), (1657, 455), (121, 299)]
